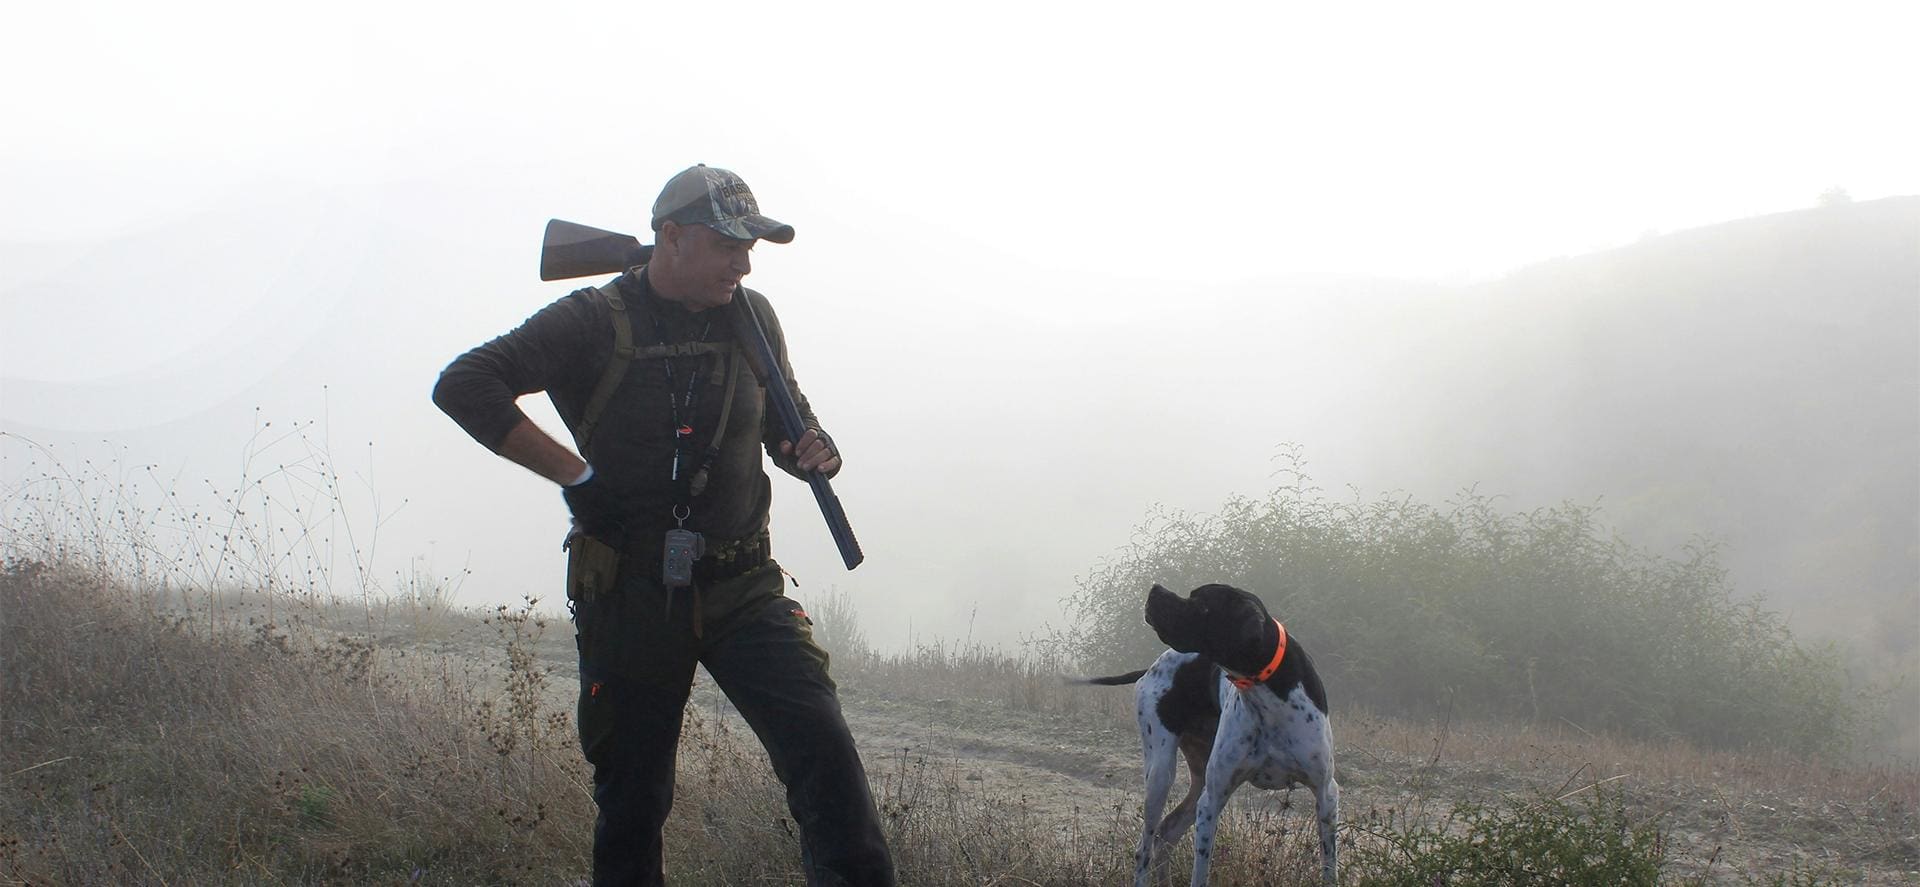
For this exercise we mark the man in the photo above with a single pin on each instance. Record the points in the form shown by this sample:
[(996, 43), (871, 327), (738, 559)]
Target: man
[(646, 374)]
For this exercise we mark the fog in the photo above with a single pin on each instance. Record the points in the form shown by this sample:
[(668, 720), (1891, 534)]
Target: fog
[(1056, 265)]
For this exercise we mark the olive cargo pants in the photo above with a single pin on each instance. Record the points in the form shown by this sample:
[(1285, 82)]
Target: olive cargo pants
[(637, 657)]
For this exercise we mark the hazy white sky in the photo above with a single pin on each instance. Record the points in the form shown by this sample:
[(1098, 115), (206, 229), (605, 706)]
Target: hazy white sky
[(1409, 138), (214, 207)]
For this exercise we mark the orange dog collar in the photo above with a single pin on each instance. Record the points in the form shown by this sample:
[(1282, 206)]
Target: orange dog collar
[(1279, 653)]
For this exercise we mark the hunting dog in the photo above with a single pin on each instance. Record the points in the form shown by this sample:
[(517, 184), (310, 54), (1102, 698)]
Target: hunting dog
[(1240, 699)]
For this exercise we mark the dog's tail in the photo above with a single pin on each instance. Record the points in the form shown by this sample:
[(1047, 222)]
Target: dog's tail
[(1111, 680)]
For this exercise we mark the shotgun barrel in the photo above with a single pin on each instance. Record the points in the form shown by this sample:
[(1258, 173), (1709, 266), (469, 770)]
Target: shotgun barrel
[(754, 337)]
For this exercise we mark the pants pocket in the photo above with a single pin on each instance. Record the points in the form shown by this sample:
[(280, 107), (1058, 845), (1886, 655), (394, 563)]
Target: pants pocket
[(787, 616)]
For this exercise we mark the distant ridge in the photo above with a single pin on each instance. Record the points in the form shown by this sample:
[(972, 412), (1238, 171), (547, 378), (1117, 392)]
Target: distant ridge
[(1885, 217), (1754, 382)]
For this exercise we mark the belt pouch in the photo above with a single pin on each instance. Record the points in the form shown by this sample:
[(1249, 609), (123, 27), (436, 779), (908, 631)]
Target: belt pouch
[(592, 568)]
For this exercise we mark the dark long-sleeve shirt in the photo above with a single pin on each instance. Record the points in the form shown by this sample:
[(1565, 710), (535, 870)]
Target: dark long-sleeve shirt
[(564, 349)]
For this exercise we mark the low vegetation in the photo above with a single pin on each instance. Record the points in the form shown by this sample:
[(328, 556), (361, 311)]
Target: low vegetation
[(1541, 617), (146, 745)]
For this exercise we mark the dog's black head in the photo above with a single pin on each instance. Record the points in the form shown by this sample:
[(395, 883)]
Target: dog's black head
[(1220, 622)]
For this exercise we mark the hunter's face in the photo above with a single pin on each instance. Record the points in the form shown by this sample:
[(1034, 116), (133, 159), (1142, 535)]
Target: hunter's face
[(708, 265)]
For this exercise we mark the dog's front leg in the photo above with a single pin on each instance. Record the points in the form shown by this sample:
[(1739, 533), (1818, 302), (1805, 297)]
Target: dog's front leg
[(1213, 800), (1225, 772)]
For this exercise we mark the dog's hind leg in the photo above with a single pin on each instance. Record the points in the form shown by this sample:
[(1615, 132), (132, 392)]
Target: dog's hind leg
[(1327, 814), (1196, 750), (1158, 747)]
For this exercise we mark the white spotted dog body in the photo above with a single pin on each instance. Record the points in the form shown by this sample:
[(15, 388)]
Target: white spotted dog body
[(1240, 701)]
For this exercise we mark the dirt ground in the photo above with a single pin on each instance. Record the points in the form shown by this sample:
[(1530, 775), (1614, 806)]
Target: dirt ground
[(1088, 764)]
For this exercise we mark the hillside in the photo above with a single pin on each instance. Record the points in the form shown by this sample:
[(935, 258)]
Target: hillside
[(1754, 383)]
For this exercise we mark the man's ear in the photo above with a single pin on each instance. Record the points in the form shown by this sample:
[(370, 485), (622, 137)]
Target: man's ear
[(670, 234)]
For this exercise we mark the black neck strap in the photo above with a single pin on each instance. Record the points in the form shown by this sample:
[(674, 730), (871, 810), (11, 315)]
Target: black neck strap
[(680, 414)]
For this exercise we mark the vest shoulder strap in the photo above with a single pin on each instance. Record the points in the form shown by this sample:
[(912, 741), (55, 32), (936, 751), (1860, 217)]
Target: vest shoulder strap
[(610, 378)]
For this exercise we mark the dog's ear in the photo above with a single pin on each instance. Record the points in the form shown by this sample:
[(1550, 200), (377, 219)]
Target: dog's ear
[(1173, 619)]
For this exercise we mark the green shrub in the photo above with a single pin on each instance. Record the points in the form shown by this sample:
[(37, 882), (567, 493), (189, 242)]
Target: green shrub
[(1548, 842), (1540, 616)]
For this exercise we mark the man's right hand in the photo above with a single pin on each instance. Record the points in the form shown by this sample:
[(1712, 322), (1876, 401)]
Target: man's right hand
[(595, 508)]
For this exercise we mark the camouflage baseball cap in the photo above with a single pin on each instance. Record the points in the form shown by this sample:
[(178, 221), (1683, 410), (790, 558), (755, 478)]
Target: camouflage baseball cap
[(719, 200)]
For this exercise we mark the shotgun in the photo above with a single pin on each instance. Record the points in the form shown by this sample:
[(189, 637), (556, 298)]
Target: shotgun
[(571, 250)]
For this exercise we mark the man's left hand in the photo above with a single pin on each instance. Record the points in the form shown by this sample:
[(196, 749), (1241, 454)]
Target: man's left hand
[(815, 451)]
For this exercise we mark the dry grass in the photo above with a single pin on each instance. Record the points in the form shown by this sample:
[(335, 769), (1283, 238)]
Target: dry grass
[(185, 700), (140, 748), (145, 745), (1521, 748)]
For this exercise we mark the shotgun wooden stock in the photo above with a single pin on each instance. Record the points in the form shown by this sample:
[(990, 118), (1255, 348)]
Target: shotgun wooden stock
[(571, 250)]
